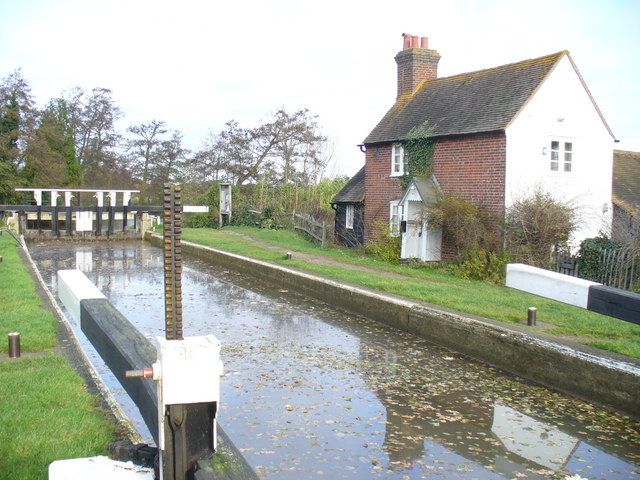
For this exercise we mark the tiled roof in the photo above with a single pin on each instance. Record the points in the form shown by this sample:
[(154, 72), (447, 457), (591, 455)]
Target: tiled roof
[(428, 189), (353, 191), (475, 102), (626, 180)]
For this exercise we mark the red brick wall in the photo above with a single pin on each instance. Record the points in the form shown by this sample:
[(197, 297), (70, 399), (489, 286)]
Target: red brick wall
[(379, 187), (471, 166)]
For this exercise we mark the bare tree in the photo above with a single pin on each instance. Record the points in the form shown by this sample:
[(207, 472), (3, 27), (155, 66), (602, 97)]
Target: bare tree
[(172, 158), (93, 116), (207, 164), (145, 145), (299, 146), (284, 149)]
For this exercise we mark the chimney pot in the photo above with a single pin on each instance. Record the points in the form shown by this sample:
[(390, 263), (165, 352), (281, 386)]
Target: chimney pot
[(415, 41), (406, 41), (424, 42)]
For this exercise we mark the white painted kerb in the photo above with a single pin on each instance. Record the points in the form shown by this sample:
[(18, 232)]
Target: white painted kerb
[(563, 288), (97, 468), (74, 286)]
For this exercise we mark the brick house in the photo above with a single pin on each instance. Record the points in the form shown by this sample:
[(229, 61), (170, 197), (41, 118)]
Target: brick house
[(499, 134)]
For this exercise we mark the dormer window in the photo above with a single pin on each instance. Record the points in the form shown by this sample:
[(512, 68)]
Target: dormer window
[(398, 160), (561, 156)]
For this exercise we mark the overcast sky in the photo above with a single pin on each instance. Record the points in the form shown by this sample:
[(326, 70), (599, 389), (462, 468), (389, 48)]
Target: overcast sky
[(197, 64)]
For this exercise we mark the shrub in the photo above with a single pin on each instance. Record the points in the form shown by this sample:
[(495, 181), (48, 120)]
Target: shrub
[(383, 245), (245, 216), (536, 225), (465, 225), (589, 256), (200, 220), (484, 265)]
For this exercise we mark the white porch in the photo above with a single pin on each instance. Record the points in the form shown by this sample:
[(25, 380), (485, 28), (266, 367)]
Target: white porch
[(419, 239)]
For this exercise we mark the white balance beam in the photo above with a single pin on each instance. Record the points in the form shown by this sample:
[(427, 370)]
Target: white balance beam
[(74, 286), (553, 285)]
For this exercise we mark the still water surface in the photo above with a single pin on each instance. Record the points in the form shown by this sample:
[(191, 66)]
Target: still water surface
[(311, 392)]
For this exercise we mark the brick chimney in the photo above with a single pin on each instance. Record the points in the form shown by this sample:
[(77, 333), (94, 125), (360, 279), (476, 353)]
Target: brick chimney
[(416, 63)]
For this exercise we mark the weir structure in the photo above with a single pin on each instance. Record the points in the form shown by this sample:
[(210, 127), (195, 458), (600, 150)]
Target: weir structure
[(82, 213), (59, 212)]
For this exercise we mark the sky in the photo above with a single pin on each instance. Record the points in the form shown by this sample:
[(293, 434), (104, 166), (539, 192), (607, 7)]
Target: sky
[(198, 64)]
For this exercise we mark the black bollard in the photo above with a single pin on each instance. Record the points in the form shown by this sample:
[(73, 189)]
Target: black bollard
[(125, 215), (112, 216), (54, 221), (98, 221), (14, 345), (67, 221)]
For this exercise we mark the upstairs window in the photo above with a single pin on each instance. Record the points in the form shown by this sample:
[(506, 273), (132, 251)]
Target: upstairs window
[(568, 156), (398, 160), (348, 222), (561, 156)]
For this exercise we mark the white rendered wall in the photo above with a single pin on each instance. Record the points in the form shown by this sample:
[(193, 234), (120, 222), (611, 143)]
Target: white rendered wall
[(562, 110), (553, 285)]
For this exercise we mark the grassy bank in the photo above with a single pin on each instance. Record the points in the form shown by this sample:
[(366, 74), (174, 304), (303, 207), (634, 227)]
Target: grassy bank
[(437, 286), (46, 413)]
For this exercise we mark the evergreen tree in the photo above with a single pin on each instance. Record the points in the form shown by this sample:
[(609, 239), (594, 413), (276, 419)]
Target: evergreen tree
[(17, 118), (51, 157)]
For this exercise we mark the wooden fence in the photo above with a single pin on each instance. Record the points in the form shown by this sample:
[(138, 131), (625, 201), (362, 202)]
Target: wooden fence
[(312, 227)]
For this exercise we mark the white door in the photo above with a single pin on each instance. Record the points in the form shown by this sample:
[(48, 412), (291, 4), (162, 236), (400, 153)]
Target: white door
[(432, 250), (412, 237)]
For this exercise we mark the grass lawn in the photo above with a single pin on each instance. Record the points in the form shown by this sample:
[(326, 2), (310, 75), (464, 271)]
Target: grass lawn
[(46, 413), (434, 285)]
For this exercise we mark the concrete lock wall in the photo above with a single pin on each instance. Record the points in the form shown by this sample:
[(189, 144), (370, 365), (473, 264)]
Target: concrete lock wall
[(581, 371)]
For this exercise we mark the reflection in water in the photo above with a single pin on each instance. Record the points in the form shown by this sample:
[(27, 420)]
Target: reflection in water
[(312, 392)]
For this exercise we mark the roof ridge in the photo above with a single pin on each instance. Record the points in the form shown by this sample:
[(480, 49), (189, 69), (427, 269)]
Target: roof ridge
[(528, 60), (471, 102)]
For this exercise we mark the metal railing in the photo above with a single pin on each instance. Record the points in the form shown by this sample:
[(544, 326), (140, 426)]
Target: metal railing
[(616, 267)]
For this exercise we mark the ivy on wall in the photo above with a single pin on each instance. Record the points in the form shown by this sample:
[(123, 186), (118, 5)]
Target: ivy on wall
[(418, 148)]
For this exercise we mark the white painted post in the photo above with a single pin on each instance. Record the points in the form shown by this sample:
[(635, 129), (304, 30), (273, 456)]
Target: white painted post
[(100, 197), (67, 198), (37, 196), (54, 198), (113, 196)]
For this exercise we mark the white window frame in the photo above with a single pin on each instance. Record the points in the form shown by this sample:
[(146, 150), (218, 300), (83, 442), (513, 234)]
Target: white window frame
[(561, 157), (398, 160), (348, 216), (395, 217)]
